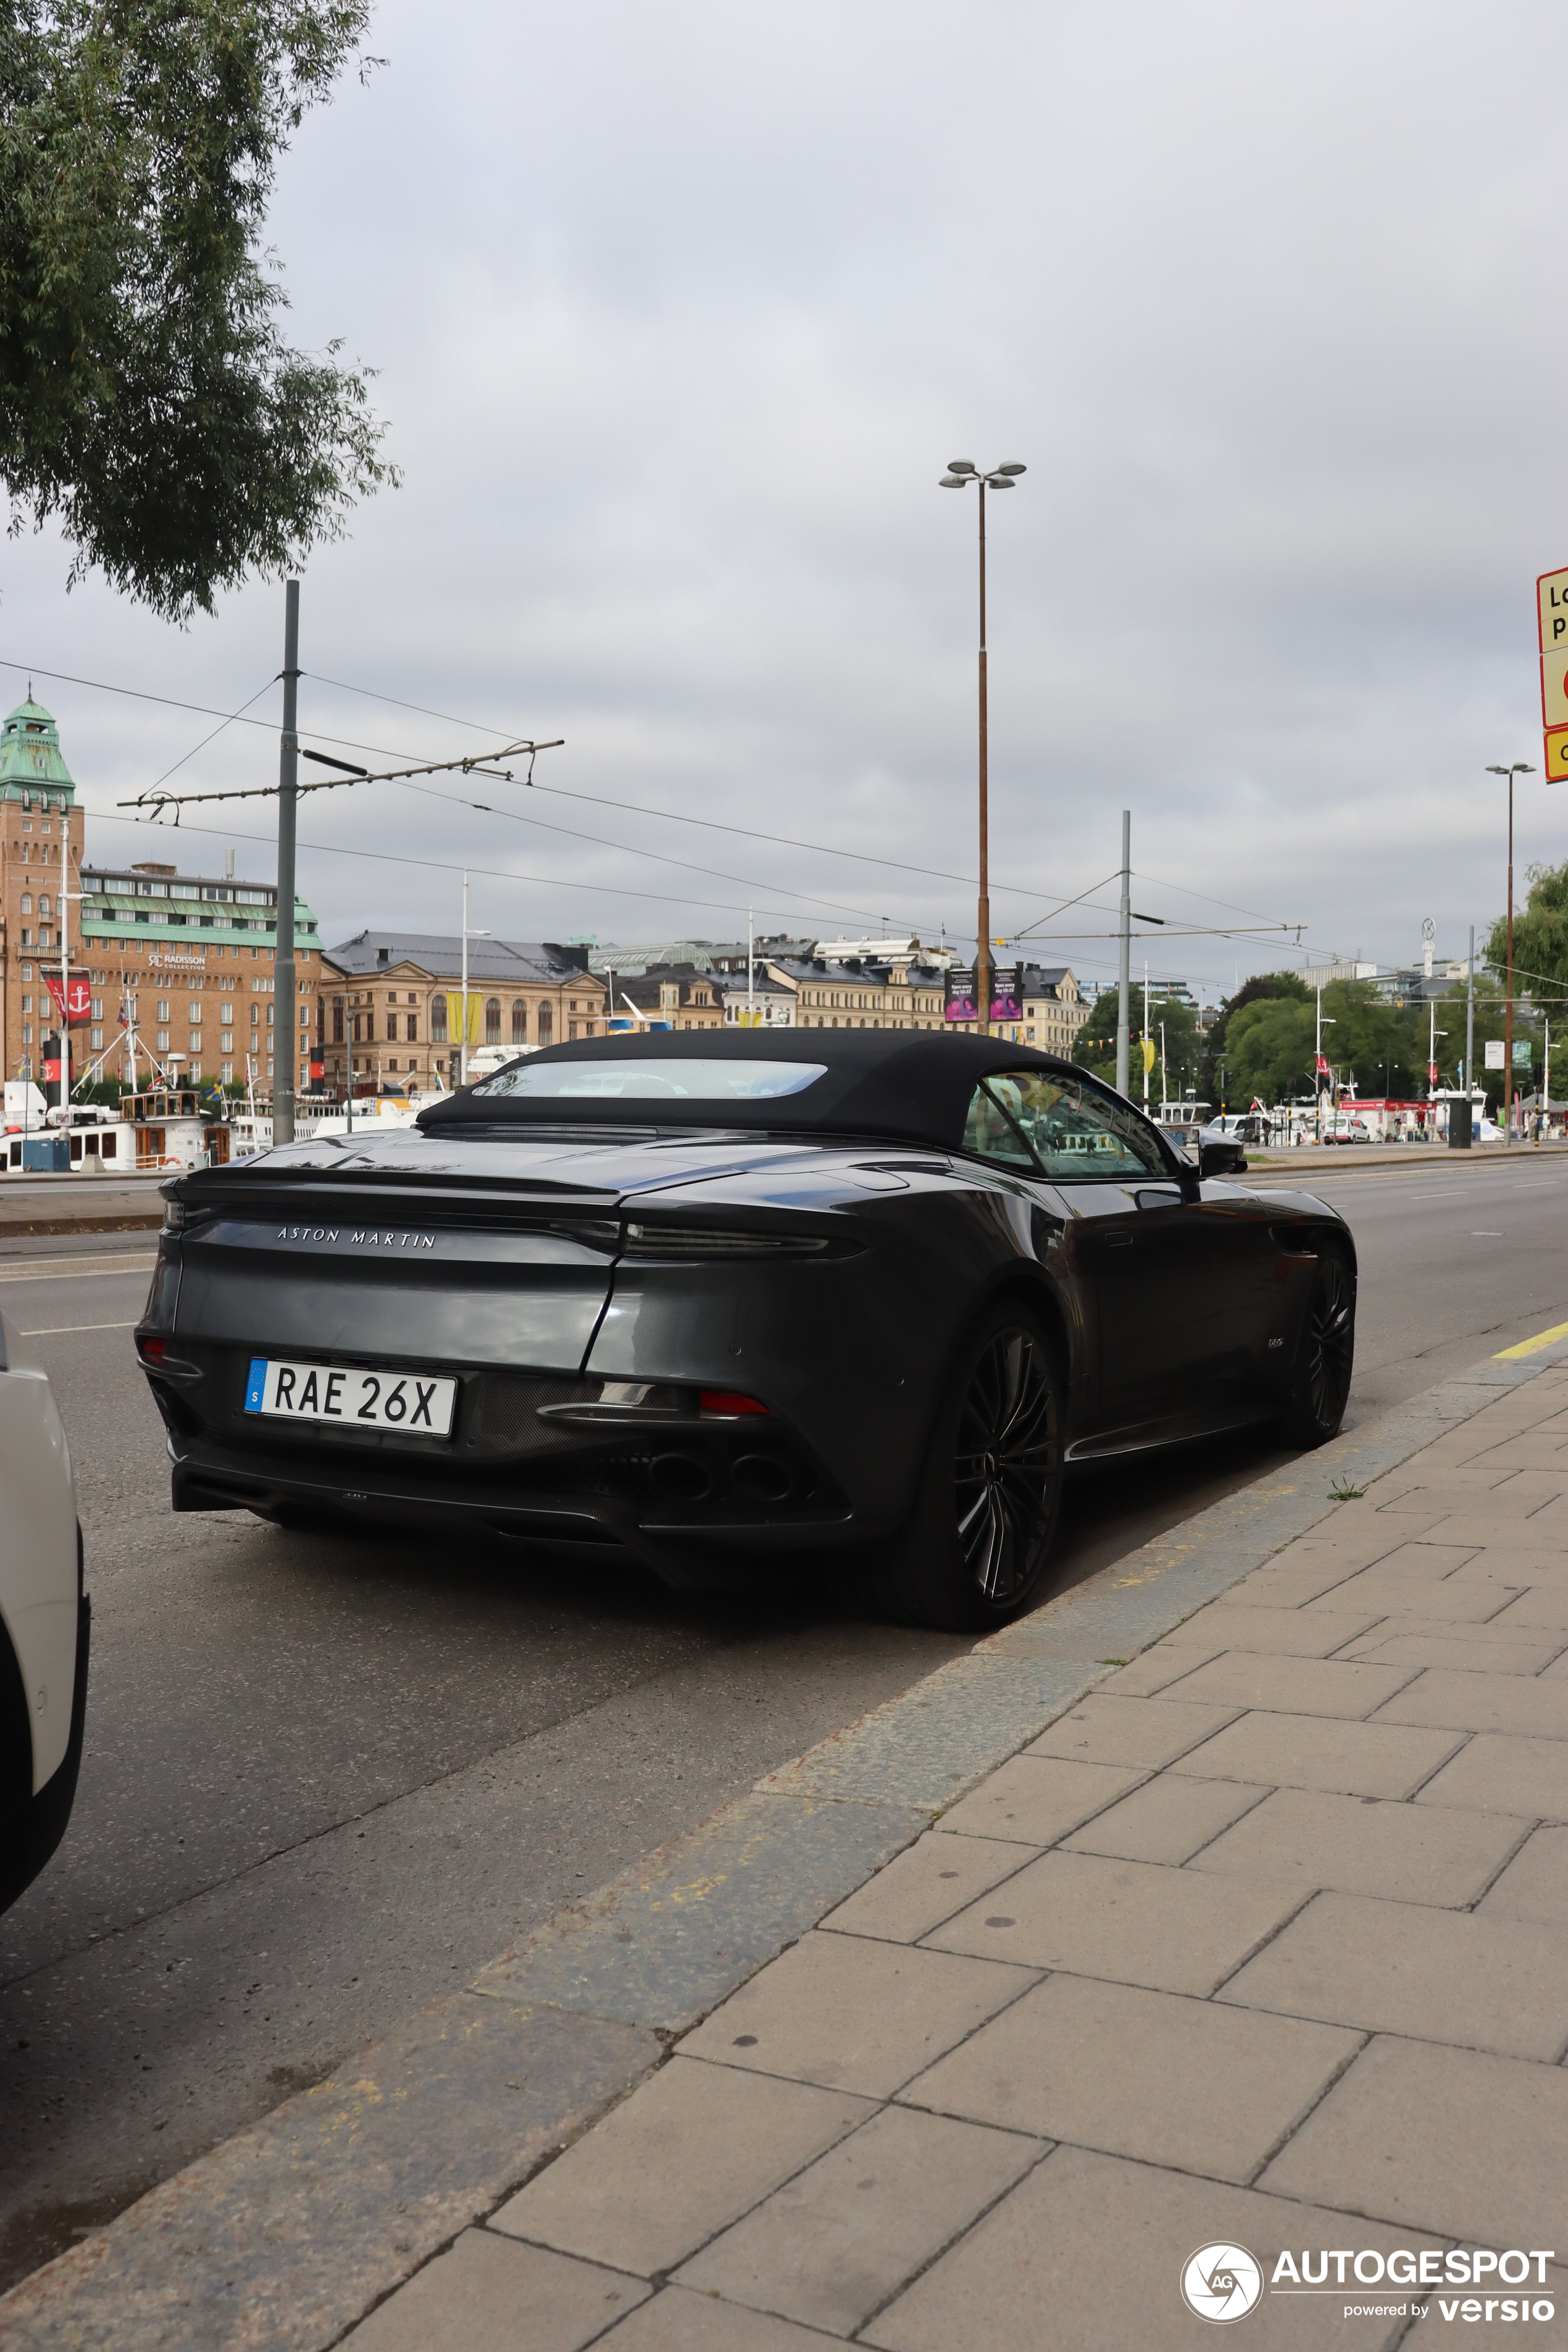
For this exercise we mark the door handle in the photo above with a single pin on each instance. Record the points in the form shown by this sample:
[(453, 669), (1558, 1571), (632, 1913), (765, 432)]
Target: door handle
[(1118, 1241)]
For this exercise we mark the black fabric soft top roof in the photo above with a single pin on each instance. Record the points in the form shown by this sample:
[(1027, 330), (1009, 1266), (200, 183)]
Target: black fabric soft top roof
[(911, 1085)]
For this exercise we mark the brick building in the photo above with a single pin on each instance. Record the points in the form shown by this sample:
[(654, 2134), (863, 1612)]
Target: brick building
[(189, 958), (391, 1007)]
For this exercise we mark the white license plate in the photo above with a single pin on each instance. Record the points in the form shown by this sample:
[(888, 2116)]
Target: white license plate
[(402, 1401)]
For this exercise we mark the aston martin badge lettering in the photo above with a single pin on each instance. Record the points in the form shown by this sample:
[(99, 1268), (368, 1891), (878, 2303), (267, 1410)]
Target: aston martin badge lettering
[(368, 1238)]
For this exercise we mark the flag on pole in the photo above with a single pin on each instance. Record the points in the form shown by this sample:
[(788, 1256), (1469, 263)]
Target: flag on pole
[(1322, 1067)]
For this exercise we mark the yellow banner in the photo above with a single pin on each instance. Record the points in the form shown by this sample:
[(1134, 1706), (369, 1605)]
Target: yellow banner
[(1148, 1054), (466, 1032)]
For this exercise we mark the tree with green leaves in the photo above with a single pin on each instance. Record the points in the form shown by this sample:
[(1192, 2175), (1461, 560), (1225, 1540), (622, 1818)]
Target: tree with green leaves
[(1095, 1045), (1540, 940), (149, 403)]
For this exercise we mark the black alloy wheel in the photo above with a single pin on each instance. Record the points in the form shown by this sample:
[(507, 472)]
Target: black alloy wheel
[(975, 1549), (1325, 1356)]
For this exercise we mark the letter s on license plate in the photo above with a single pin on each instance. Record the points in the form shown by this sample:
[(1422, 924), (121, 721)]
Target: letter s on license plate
[(406, 1401)]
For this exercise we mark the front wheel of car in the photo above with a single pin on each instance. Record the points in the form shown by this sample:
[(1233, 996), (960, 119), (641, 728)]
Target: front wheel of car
[(1325, 1357), (974, 1550)]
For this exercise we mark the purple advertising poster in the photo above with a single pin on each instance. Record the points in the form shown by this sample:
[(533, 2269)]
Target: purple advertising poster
[(959, 1005), (1008, 991)]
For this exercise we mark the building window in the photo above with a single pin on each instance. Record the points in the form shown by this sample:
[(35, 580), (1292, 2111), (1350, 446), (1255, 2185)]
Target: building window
[(519, 1021), (163, 1041), (225, 1014), (438, 1020), (546, 1025), (337, 1021), (492, 1020), (411, 1028), (26, 1033), (228, 1074)]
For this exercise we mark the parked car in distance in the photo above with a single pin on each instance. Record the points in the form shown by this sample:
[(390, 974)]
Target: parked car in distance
[(45, 1620), (706, 1298)]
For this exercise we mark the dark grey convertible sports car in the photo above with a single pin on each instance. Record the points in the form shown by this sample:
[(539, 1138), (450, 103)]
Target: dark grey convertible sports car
[(695, 1296)]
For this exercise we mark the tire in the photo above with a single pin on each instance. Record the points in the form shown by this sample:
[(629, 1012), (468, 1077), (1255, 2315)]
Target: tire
[(1325, 1357), (974, 1550)]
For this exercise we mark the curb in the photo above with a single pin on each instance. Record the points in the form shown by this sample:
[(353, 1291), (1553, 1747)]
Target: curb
[(289, 2233)]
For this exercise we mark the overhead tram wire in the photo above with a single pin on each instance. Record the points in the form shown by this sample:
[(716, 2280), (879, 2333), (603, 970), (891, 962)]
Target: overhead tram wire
[(439, 866), (155, 803), (561, 791), (239, 718)]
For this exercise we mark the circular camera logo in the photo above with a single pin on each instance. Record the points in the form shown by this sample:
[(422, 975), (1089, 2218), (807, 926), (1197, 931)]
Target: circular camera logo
[(1221, 2282)]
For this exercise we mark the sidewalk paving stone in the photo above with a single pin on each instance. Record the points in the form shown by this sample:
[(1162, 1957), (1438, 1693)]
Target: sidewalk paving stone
[(831, 2246), (856, 2014), (1112, 1730), (1438, 1598), (1307, 1751), (1114, 2067), (691, 2150), (926, 1885), (1535, 1884), (1285, 1633), (1366, 1845), (1294, 1685), (1133, 1921), (471, 2300), (1403, 1968), (1448, 2140), (1086, 2253), (1038, 1799), (1144, 1677), (679, 2321), (1167, 1820), (1496, 1773), (1472, 1700), (1496, 1655)]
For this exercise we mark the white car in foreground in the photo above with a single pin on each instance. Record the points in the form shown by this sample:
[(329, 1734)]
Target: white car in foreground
[(45, 1618)]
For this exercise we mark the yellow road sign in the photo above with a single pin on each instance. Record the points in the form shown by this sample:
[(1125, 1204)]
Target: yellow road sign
[(1556, 751), (1552, 595), (1555, 689)]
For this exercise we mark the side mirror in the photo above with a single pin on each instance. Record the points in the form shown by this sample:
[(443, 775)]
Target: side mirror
[(1221, 1159)]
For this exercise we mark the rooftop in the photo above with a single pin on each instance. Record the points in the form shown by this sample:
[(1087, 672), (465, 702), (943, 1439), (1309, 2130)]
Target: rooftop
[(440, 954), (30, 759)]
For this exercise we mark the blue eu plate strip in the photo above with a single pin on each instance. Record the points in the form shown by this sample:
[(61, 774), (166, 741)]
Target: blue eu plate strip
[(256, 1385)]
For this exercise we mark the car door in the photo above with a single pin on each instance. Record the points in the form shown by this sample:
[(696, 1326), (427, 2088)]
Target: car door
[(1172, 1269)]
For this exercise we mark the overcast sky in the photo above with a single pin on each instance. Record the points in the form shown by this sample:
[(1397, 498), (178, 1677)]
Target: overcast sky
[(681, 311)]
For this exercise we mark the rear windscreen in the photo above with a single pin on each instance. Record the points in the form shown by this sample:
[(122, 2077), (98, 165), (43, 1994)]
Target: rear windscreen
[(651, 1081)]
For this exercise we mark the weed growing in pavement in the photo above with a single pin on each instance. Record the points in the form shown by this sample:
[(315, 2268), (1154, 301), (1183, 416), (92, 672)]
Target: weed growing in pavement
[(1346, 1494)]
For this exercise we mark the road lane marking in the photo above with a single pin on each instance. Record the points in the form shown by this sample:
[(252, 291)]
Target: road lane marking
[(54, 1270), (1532, 1346), (59, 1330)]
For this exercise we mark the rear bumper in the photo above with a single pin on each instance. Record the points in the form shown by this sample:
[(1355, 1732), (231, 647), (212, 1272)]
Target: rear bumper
[(679, 1543)]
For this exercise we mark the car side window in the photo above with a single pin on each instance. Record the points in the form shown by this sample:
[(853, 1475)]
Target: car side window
[(989, 1128), (1071, 1129)]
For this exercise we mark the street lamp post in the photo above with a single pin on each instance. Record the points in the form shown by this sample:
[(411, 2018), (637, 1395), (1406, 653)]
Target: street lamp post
[(468, 935), (960, 473), (1519, 768)]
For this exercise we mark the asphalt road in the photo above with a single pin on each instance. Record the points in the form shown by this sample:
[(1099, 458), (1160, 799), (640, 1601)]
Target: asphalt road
[(327, 1779)]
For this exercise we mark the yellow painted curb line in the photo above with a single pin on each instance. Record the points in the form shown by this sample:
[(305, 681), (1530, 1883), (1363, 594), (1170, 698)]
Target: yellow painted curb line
[(1532, 1346)]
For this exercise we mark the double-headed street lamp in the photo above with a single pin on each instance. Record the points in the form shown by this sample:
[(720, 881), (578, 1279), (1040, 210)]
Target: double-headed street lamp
[(1519, 768), (960, 473)]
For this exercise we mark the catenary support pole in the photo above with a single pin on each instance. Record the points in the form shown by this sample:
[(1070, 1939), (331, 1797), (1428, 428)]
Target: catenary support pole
[(1123, 975), (1508, 999), (285, 1014), (1470, 1017), (982, 945)]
